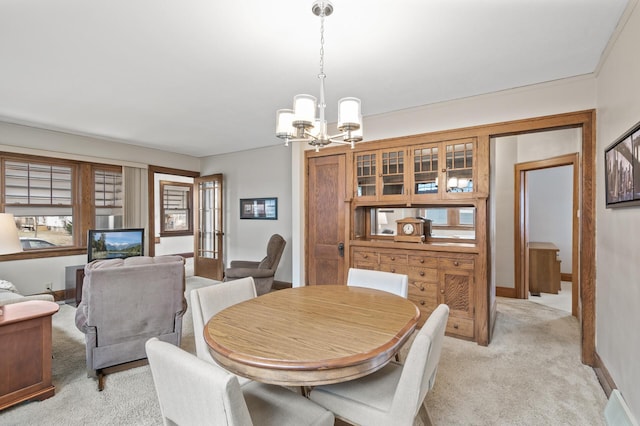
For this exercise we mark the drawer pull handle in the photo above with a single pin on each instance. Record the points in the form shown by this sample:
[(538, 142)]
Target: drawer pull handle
[(365, 255), (456, 263), (393, 258), (442, 291), (421, 260), (422, 302), (422, 288), (393, 270), (455, 326), (422, 273)]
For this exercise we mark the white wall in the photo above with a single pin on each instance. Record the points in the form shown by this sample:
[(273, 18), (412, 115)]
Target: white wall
[(258, 173), (504, 156), (617, 230), (32, 275), (550, 208)]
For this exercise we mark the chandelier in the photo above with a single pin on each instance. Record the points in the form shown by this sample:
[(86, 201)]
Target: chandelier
[(300, 124)]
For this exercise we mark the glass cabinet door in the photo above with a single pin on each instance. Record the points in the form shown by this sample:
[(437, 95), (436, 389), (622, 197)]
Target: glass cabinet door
[(366, 175), (392, 175), (425, 170), (459, 166)]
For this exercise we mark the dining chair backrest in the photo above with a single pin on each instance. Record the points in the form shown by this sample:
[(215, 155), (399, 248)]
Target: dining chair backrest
[(420, 367), (194, 392), (380, 280), (208, 301)]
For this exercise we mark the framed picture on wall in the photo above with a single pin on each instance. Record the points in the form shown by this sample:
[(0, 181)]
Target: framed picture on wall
[(259, 208), (622, 170)]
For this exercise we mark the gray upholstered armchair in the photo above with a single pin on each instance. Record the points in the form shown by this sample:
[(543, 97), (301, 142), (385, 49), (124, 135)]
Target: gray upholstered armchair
[(262, 271), (124, 303)]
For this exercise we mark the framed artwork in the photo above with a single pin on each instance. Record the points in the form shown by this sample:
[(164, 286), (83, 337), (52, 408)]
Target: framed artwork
[(259, 208), (622, 170)]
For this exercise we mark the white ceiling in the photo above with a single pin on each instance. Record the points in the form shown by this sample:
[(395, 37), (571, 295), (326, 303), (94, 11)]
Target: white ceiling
[(206, 77)]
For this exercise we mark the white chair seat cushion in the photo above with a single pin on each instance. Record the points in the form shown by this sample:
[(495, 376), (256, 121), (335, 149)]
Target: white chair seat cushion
[(271, 405), (364, 401)]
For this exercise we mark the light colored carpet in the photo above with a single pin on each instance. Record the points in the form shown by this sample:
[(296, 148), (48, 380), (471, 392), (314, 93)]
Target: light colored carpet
[(561, 301), (530, 375)]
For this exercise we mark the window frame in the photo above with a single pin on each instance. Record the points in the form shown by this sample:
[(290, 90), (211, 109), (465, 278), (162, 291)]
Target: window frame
[(82, 204), (189, 210)]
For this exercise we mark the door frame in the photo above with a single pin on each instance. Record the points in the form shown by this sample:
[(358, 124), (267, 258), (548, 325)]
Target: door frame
[(521, 223), (151, 173), (586, 121)]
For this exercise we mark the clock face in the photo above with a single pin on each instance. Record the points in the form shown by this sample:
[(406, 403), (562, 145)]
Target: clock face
[(407, 228)]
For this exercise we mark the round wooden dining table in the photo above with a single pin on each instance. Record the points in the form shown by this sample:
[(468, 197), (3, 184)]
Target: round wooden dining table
[(313, 335)]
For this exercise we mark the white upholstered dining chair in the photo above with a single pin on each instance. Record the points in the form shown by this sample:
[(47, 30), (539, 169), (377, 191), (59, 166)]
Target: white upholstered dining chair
[(208, 301), (194, 392), (395, 394), (379, 280)]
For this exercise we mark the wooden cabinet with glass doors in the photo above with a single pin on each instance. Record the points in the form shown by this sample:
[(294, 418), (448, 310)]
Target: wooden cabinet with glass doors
[(381, 176), (440, 171), (443, 170)]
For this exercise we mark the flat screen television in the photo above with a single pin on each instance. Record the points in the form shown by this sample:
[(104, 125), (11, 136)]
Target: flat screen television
[(115, 243)]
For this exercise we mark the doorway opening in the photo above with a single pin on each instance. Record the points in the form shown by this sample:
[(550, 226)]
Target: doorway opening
[(546, 213)]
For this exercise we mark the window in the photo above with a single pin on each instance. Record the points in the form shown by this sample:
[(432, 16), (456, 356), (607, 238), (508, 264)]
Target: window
[(176, 201), (108, 198), (447, 222), (40, 196), (55, 201)]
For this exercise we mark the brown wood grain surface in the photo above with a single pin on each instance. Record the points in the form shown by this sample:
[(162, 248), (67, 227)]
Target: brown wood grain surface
[(311, 335)]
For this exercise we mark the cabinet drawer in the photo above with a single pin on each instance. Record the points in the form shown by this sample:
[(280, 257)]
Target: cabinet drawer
[(422, 274), (423, 294), (460, 327), (393, 258), (396, 269), (447, 263), (372, 266), (365, 255), (426, 261)]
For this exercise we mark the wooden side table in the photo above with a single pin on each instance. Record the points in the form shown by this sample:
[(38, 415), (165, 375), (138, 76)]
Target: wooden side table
[(544, 268), (25, 352)]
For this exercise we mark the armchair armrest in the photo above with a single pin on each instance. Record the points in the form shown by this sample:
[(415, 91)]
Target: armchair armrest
[(248, 272), (243, 264)]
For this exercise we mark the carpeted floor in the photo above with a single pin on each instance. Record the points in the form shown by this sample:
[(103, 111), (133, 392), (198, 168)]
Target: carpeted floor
[(529, 375)]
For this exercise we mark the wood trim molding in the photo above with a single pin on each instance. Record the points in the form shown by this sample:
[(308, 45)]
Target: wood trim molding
[(605, 379), (566, 277), (521, 223), (506, 292)]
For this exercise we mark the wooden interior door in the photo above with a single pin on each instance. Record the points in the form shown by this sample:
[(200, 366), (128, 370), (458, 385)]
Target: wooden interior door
[(207, 252), (326, 232)]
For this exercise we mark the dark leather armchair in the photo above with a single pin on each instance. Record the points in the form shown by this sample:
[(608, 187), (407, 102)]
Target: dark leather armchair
[(262, 271)]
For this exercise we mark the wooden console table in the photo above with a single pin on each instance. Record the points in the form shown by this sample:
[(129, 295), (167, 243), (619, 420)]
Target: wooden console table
[(25, 342), (544, 268)]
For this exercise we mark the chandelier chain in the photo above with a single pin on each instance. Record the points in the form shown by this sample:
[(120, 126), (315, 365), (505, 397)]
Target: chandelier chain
[(322, 41)]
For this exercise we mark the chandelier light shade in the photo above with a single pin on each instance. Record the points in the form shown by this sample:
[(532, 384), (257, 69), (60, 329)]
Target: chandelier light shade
[(349, 116), (9, 240), (301, 124)]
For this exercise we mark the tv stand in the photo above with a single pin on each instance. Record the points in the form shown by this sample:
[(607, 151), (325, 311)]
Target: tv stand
[(73, 279)]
